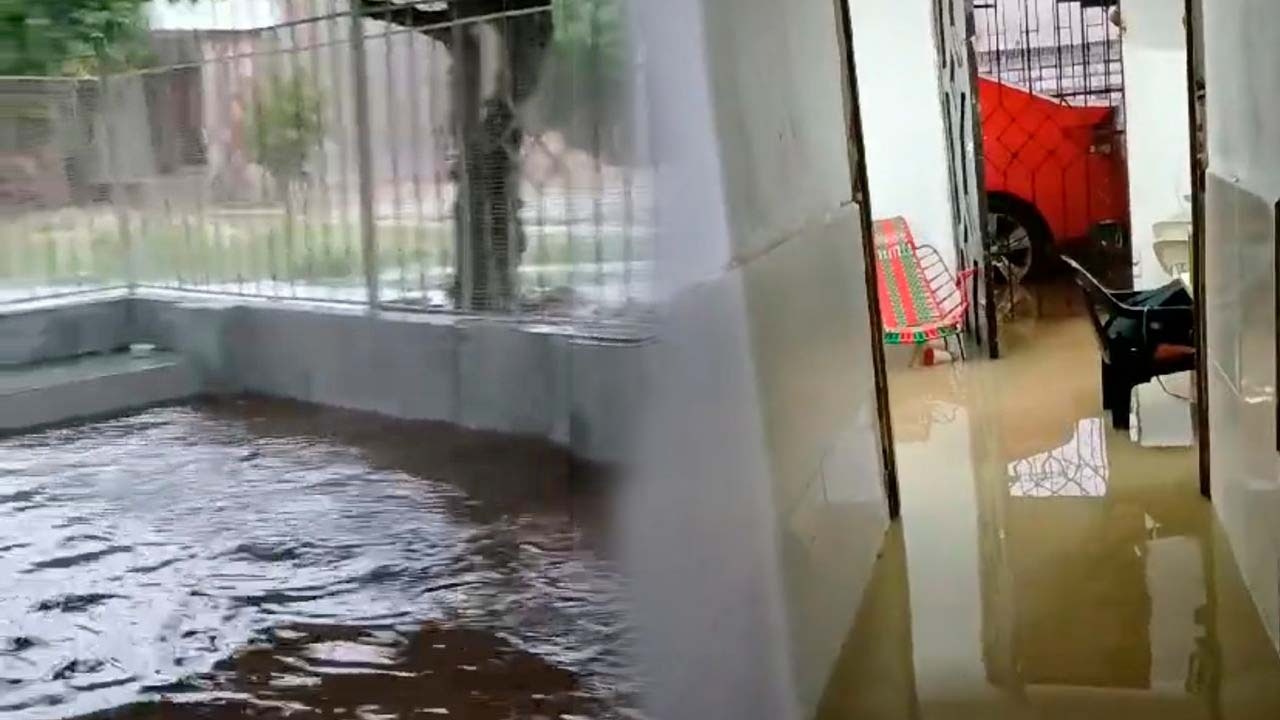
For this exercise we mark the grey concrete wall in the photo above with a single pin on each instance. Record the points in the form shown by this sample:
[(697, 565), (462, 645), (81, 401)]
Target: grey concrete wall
[(63, 330), (57, 393), (757, 509), (490, 375), (481, 374), (1242, 47)]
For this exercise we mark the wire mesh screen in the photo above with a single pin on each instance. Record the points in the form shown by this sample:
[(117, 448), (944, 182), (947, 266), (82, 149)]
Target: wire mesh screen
[(527, 123), (238, 164), (58, 234), (473, 156)]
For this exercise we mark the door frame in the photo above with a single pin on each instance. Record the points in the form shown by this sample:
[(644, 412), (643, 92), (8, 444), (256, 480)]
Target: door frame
[(1192, 19), (858, 175), (861, 197), (983, 298)]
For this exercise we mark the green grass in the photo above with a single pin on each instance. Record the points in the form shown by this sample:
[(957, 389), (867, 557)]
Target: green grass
[(86, 248), (63, 249)]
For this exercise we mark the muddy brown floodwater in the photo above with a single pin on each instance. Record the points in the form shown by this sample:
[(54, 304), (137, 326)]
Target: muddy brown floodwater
[(260, 558)]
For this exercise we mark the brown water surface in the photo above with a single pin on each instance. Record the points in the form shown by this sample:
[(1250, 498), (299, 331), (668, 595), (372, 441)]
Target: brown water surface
[(269, 559), (1047, 567)]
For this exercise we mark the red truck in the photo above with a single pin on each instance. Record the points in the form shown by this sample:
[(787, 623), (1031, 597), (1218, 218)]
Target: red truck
[(1053, 173)]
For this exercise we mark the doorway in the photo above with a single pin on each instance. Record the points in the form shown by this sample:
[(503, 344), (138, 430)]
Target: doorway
[(1010, 466), (1034, 103)]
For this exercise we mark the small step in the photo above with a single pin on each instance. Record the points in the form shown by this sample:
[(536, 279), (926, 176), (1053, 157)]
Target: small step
[(52, 393)]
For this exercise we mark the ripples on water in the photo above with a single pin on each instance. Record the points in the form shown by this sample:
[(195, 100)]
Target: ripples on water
[(263, 558)]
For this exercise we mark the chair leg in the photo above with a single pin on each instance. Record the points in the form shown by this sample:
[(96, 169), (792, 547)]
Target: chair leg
[(1117, 396), (1108, 387), (1122, 404)]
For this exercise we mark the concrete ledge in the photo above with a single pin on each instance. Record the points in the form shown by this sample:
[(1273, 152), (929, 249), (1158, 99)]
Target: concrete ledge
[(539, 381), (63, 330), (93, 386)]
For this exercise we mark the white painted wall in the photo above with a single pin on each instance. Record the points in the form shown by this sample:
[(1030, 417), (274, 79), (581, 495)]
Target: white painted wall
[(1159, 138), (758, 505), (902, 117), (212, 14), (1242, 51)]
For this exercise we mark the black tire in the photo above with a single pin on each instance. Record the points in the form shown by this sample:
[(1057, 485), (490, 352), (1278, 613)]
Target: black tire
[(1019, 235)]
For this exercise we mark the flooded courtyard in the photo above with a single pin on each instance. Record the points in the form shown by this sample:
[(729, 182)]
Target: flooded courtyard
[(260, 558)]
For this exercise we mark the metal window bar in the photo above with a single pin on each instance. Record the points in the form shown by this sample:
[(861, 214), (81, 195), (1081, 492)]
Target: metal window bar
[(1072, 55), (218, 207)]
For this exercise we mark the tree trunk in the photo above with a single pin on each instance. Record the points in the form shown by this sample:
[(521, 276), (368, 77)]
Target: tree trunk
[(488, 236), (485, 177)]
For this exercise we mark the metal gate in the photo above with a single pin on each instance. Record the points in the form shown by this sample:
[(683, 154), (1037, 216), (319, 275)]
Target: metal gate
[(1051, 91)]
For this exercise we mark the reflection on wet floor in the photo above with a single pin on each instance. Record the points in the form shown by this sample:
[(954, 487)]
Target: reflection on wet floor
[(255, 558), (319, 671), (1046, 566)]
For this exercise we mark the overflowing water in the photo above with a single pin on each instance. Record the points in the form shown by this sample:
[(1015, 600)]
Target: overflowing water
[(253, 557)]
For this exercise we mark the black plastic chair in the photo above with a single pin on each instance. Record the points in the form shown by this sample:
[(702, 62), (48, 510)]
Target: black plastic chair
[(1141, 335)]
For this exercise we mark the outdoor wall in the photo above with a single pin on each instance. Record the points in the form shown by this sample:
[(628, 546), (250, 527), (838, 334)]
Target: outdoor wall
[(902, 117), (1159, 138), (41, 334), (1242, 49), (758, 506), (547, 382), (576, 391)]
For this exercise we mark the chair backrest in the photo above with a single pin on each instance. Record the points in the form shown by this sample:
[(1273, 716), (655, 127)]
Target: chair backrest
[(1102, 306), (1130, 327), (1173, 230), (917, 289), (1174, 255), (893, 233)]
